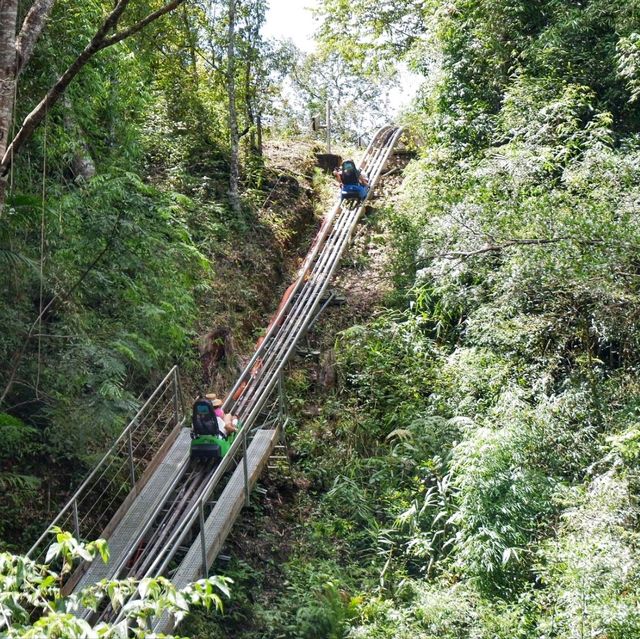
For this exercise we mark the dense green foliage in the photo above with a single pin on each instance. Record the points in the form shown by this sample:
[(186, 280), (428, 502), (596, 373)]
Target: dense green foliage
[(523, 255), (518, 237), (477, 473), (30, 590)]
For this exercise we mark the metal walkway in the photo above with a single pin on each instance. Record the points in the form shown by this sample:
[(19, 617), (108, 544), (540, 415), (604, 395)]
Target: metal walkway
[(183, 515), (165, 476)]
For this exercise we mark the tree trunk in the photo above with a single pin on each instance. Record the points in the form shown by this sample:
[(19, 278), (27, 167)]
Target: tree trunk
[(8, 24), (30, 32), (101, 40), (248, 108), (259, 133), (192, 44), (234, 171), (82, 165)]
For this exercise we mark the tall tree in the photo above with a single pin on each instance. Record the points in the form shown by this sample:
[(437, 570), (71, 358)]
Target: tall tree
[(356, 106), (234, 137), (32, 27), (258, 63), (15, 53), (373, 35), (8, 22)]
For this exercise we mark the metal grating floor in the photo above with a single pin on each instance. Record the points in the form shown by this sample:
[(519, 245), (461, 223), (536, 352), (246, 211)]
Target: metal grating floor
[(138, 513)]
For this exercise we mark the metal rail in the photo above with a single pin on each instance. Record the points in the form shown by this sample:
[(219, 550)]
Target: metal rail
[(280, 342), (318, 243), (278, 351), (174, 520), (122, 465)]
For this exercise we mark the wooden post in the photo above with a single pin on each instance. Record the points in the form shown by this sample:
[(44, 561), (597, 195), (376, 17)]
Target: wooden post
[(328, 127)]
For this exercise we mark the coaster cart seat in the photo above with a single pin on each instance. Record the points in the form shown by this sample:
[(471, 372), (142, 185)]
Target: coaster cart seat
[(353, 192), (208, 444)]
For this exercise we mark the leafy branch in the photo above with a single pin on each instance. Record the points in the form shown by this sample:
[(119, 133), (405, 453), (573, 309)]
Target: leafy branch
[(107, 35), (58, 297), (32, 591), (498, 248)]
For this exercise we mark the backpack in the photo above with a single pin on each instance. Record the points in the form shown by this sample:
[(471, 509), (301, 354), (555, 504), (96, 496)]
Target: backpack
[(204, 418), (350, 173)]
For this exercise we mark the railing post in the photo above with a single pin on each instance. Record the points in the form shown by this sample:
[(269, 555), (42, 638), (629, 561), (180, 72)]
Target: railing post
[(181, 395), (76, 519), (245, 469), (132, 468), (283, 434), (281, 406), (328, 126), (203, 542), (176, 396)]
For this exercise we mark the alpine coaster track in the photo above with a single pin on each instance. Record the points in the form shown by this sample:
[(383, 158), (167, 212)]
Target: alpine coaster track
[(178, 513)]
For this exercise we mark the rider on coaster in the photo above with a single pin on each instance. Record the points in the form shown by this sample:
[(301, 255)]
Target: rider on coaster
[(354, 183), (226, 422)]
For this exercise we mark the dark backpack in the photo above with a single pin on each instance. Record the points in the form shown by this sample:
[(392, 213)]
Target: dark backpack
[(350, 173), (204, 418)]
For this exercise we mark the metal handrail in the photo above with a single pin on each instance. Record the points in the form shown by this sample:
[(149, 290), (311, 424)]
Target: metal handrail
[(134, 424)]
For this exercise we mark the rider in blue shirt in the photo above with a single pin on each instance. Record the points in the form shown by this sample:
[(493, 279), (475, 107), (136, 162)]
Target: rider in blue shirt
[(352, 181)]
